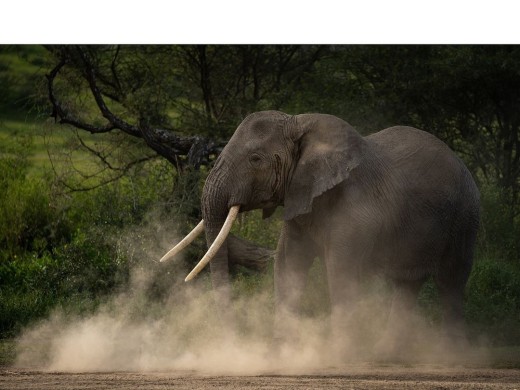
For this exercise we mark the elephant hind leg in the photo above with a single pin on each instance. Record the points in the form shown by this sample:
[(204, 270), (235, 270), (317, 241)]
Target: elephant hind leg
[(451, 281), (452, 298), (451, 293), (451, 278)]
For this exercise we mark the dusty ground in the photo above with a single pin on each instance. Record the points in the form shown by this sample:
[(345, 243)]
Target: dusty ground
[(349, 377)]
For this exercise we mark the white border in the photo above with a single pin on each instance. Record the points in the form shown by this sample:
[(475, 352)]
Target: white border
[(259, 21)]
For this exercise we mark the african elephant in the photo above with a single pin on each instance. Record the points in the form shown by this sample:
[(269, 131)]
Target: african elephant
[(398, 201)]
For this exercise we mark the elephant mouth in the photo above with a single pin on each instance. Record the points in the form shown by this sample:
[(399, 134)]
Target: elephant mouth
[(268, 208), (262, 205)]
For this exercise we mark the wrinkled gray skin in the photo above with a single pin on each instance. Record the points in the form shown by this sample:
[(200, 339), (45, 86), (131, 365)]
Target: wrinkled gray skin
[(399, 202)]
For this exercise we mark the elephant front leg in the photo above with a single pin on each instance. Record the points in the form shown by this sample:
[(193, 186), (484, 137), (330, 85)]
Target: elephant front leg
[(294, 256), (399, 335), (343, 282)]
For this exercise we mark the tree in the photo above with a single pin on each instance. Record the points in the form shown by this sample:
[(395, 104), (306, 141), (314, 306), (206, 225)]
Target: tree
[(182, 101)]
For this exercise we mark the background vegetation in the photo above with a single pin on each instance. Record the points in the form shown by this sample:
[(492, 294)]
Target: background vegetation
[(75, 186)]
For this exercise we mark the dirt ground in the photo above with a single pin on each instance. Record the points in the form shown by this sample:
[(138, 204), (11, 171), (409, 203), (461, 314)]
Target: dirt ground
[(348, 377)]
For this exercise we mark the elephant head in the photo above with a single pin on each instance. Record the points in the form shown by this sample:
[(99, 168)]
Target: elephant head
[(273, 159)]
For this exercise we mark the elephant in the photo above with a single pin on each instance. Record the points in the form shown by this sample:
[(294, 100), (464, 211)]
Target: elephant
[(397, 202)]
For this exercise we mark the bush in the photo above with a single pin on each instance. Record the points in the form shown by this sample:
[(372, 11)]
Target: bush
[(28, 221), (499, 230), (493, 301), (59, 249), (30, 287)]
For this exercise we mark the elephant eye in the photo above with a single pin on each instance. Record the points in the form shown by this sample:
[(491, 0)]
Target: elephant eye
[(255, 159)]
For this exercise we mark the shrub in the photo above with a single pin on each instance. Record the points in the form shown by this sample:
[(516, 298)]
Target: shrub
[(493, 301), (500, 229)]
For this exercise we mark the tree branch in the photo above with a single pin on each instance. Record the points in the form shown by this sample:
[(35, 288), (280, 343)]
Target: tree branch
[(107, 114), (59, 113), (179, 151)]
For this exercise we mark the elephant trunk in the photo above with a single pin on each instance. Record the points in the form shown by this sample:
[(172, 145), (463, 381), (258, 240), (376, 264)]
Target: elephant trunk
[(217, 214)]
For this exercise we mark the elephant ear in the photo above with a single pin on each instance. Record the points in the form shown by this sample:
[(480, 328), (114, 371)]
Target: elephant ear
[(329, 150)]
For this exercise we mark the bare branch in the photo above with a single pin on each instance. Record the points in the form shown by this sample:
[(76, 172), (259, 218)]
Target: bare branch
[(61, 114), (113, 68), (100, 101), (177, 150)]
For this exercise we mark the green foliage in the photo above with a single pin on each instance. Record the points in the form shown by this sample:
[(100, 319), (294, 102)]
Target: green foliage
[(28, 221), (85, 265), (500, 229), (264, 232), (493, 301), (21, 68), (61, 249)]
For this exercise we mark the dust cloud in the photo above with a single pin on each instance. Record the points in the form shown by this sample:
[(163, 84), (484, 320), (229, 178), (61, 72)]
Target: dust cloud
[(179, 329), (182, 333)]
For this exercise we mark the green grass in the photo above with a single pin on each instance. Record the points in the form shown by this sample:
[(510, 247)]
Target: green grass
[(38, 137), (22, 123), (23, 60)]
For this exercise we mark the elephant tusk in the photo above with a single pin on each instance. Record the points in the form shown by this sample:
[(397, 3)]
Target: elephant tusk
[(213, 249), (185, 242)]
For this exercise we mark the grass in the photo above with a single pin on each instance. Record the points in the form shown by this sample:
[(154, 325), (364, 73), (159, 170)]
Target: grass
[(22, 70), (28, 132), (23, 60), (39, 137)]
